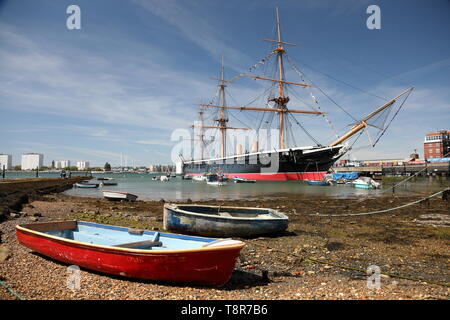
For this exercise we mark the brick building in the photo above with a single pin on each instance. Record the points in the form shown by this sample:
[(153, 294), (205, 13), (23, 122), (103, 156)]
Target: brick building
[(436, 144)]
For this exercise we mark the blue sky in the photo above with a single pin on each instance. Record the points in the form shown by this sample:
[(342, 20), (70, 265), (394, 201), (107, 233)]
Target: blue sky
[(136, 71)]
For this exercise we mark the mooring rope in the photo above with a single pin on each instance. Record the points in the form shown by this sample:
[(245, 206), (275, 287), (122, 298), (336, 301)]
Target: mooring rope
[(392, 275), (10, 290), (380, 211)]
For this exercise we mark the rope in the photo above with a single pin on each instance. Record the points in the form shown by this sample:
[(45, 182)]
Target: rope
[(401, 182), (392, 275), (4, 285), (302, 74), (346, 83), (381, 211), (304, 130), (398, 110)]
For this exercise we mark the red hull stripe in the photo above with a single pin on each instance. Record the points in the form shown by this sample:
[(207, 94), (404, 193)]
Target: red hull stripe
[(282, 176)]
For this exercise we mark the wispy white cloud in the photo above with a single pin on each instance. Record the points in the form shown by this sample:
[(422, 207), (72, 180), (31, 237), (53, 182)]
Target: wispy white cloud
[(196, 28), (38, 80)]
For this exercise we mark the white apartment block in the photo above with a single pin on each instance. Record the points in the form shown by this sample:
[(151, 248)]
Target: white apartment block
[(61, 164), (5, 160), (82, 165), (31, 161)]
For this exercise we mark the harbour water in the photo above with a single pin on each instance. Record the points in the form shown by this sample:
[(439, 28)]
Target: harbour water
[(178, 189)]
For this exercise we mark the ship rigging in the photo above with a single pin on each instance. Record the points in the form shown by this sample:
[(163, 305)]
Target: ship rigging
[(293, 162)]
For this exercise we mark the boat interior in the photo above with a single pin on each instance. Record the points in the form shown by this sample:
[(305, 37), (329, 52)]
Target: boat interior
[(106, 235), (235, 212)]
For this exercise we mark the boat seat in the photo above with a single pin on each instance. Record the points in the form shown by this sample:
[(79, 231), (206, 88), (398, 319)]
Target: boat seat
[(140, 244), (224, 214)]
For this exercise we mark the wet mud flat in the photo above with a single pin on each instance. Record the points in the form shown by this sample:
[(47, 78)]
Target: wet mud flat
[(14, 193), (316, 258)]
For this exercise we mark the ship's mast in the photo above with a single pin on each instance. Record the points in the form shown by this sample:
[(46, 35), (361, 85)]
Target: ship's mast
[(201, 136), (222, 121), (363, 123), (281, 100)]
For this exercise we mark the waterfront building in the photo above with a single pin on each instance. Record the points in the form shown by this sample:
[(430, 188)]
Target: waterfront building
[(83, 165), (436, 144), (61, 164), (5, 160), (32, 161)]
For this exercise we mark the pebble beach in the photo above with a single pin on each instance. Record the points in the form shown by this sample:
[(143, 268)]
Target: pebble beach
[(316, 258)]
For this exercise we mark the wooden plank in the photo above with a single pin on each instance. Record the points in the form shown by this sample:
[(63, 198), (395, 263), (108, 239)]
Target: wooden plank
[(49, 226), (147, 243)]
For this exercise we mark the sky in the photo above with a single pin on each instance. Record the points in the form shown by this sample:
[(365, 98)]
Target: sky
[(137, 70)]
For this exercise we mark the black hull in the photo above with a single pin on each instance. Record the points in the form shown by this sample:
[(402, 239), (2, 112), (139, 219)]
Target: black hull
[(293, 164)]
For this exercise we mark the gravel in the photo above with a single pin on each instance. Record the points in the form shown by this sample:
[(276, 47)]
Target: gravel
[(269, 267)]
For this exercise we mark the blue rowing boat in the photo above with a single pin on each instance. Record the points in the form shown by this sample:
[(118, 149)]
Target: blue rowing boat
[(219, 221), (317, 183)]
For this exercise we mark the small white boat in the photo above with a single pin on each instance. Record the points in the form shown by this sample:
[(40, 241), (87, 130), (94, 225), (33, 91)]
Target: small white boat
[(366, 183), (199, 177), (243, 180), (119, 196), (164, 178), (86, 185), (105, 179)]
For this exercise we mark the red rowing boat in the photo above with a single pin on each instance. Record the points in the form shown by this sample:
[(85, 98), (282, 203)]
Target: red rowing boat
[(134, 253)]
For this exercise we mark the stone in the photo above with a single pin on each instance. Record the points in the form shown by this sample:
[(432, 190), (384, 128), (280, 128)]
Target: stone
[(4, 253)]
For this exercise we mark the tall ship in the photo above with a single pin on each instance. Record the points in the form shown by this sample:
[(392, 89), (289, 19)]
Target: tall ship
[(271, 155)]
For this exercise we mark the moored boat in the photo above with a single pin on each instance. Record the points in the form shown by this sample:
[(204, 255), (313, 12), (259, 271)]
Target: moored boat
[(366, 183), (134, 253), (215, 179), (86, 185), (199, 177), (108, 183), (285, 159), (318, 183), (119, 196), (243, 180), (218, 221)]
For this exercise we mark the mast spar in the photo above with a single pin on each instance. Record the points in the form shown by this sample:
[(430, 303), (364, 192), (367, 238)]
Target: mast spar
[(222, 120), (363, 123), (281, 100)]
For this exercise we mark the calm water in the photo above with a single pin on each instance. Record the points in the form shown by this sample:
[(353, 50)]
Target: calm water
[(177, 189)]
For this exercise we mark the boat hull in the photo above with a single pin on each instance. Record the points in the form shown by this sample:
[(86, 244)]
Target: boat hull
[(317, 183), (362, 186), (212, 266), (216, 226), (119, 196), (292, 165), (86, 185)]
